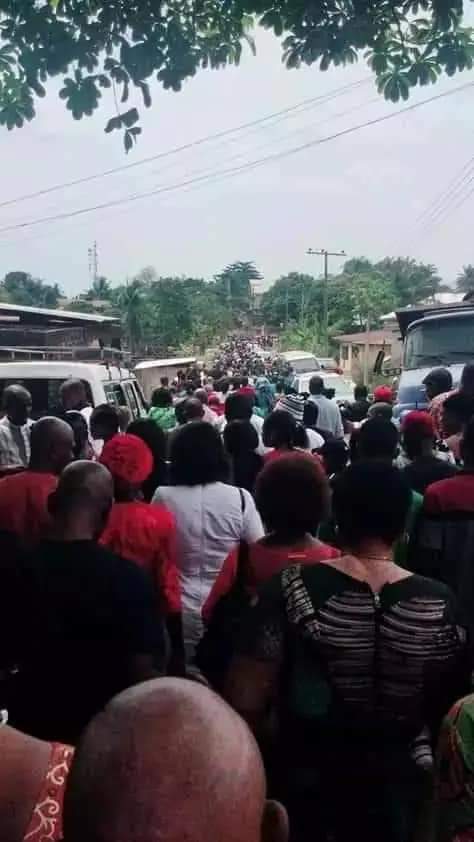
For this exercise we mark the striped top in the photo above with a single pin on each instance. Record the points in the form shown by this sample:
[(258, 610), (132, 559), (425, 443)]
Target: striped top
[(375, 665)]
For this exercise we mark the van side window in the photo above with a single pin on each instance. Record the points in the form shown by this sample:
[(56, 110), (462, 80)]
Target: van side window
[(44, 393), (132, 400), (115, 394)]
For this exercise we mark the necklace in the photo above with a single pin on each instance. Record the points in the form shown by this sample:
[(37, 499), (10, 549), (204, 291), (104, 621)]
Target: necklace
[(386, 558)]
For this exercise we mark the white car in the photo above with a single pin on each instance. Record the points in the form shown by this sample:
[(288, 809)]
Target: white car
[(343, 387)]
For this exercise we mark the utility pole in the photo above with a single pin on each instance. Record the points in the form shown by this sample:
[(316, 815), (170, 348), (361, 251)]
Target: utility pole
[(325, 253)]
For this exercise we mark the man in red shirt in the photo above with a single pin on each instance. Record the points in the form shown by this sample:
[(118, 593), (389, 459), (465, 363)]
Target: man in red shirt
[(24, 496)]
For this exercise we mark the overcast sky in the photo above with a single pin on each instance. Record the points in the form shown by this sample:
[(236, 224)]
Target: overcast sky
[(363, 193)]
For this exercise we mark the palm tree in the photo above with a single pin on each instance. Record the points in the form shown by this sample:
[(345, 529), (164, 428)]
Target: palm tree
[(131, 308), (465, 279), (100, 289)]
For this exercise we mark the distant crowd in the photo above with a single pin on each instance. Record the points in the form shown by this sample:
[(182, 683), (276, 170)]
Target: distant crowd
[(247, 616)]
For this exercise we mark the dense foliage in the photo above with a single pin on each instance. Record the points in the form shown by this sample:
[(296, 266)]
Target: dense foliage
[(120, 47), (160, 314)]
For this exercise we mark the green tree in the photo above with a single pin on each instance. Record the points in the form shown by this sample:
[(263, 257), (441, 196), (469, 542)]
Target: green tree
[(171, 314), (234, 285), (465, 279), (123, 44), (132, 310), (371, 295), (412, 282), (290, 298), (21, 288)]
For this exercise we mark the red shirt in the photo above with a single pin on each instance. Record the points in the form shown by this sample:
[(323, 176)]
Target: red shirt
[(24, 504), (263, 563), (455, 494), (146, 534)]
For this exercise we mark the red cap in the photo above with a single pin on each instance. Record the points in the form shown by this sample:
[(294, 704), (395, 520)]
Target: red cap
[(383, 394)]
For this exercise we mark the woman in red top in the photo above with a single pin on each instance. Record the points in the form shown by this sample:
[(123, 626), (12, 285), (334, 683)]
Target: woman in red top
[(292, 496), (141, 532)]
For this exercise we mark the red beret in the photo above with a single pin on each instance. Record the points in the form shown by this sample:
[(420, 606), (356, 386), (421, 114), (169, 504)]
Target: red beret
[(422, 421), (128, 458)]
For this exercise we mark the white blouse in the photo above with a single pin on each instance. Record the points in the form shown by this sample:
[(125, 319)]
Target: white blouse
[(209, 524)]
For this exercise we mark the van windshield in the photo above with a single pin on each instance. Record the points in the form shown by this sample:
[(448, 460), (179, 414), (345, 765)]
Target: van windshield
[(440, 342)]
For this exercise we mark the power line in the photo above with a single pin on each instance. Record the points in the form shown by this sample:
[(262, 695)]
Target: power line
[(439, 203), (211, 173), (234, 170), (306, 103)]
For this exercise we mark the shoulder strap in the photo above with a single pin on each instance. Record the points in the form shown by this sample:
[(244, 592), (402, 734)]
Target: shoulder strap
[(242, 500)]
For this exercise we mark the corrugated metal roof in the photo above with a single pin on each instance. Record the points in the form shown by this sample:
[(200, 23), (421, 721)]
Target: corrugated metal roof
[(58, 314), (163, 363)]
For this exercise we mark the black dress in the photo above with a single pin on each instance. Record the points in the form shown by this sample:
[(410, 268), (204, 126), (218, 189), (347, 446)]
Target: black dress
[(361, 676)]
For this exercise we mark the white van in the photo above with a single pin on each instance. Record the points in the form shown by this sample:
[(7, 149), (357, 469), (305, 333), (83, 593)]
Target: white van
[(104, 384), (301, 361)]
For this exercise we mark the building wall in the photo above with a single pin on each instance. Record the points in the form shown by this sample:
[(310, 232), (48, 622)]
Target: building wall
[(352, 359)]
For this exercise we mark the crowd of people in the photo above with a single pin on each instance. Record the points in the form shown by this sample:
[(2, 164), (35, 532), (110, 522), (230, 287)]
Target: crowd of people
[(247, 616)]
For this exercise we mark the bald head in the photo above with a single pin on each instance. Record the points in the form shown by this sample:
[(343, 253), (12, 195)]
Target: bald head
[(167, 760), (52, 444), (193, 410), (202, 396), (73, 394), (82, 501)]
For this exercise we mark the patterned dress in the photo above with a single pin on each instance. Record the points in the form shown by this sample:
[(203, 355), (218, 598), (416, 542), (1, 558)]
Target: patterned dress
[(46, 823), (360, 677)]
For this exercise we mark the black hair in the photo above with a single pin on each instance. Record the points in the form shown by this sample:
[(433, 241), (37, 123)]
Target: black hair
[(238, 407), (223, 385), (153, 435), (371, 500), (161, 397), (316, 385), (241, 441), (107, 417), (310, 414), (361, 392), (279, 429), (377, 439), (191, 409), (460, 407), (78, 425), (236, 382), (335, 454), (467, 445), (441, 378), (292, 494), (467, 378), (165, 382), (300, 438), (240, 437), (244, 380), (197, 455)]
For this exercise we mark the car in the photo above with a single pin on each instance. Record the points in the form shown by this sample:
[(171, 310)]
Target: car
[(342, 386), (301, 362), (104, 384), (328, 364)]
